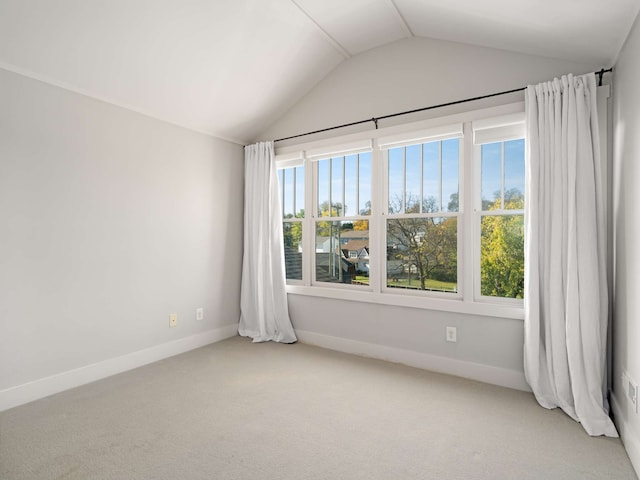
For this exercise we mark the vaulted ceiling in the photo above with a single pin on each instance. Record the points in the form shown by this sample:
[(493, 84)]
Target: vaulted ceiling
[(231, 67)]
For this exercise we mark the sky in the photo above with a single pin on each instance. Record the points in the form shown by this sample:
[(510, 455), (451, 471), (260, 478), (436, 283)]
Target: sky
[(491, 168), (437, 159)]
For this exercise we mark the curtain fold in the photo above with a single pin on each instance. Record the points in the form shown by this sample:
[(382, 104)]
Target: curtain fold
[(264, 313), (566, 299)]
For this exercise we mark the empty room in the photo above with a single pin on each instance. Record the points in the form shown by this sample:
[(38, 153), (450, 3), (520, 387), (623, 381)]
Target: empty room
[(318, 239)]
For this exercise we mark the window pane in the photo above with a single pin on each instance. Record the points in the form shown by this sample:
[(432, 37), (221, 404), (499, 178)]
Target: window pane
[(323, 188), (337, 184), (431, 177), (412, 179), (287, 202), (396, 180), (292, 233), (342, 252), (514, 174), (491, 175), (281, 187), (364, 208), (502, 256), (422, 254), (450, 167), (299, 208), (351, 185)]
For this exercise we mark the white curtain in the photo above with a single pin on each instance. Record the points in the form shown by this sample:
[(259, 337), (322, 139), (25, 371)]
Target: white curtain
[(264, 314), (566, 300)]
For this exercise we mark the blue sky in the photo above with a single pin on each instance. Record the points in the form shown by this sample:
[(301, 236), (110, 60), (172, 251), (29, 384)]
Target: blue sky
[(431, 171), (361, 164), (491, 167), (356, 166)]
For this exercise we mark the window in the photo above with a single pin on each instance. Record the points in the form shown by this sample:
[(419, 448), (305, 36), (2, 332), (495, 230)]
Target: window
[(422, 216), (499, 198), (343, 207), (502, 219), (431, 217), (291, 185)]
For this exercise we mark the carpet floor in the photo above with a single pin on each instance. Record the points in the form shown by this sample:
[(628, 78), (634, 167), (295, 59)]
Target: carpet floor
[(237, 410)]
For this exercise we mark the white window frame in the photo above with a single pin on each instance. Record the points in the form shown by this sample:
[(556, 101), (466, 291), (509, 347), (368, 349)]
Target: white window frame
[(284, 162), (491, 130), (466, 301), (313, 157), (439, 134)]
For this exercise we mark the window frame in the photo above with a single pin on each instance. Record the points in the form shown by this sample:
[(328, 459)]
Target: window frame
[(466, 301), (313, 161), (491, 130), (285, 162), (386, 215)]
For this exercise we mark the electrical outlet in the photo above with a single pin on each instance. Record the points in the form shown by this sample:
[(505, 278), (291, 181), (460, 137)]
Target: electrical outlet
[(199, 313), (632, 392), (452, 334), (630, 388), (173, 320)]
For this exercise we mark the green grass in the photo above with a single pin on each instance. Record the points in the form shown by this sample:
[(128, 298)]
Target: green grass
[(430, 284)]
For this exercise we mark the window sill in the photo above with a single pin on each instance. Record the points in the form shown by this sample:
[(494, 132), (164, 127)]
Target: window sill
[(447, 305)]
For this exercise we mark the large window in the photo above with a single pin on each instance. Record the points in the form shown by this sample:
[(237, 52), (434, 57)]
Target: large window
[(292, 195), (417, 218), (422, 216), (343, 208), (502, 219)]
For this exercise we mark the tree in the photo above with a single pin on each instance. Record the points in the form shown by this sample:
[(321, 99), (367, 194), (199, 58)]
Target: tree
[(326, 228), (292, 231), (429, 244), (502, 249), (454, 203), (363, 225)]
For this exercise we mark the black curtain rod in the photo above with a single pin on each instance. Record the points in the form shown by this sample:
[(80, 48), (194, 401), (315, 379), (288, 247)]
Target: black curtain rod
[(448, 104)]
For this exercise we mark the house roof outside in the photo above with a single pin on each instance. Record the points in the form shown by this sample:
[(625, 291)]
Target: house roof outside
[(356, 245)]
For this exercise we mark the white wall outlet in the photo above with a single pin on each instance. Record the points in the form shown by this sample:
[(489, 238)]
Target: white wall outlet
[(199, 313), (632, 392), (452, 334), (630, 389), (173, 319)]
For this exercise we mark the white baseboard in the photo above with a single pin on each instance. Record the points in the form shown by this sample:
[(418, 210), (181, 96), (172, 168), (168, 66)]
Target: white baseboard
[(43, 387), (628, 434), (474, 371)]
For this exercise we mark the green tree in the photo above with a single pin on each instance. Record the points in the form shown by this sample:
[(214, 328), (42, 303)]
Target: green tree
[(502, 249), (428, 244), (363, 225)]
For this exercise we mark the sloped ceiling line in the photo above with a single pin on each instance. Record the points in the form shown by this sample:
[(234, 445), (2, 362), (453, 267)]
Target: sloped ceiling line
[(403, 23), (343, 51)]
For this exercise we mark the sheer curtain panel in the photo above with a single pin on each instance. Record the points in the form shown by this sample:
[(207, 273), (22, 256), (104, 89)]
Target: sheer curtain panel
[(264, 314), (566, 300)]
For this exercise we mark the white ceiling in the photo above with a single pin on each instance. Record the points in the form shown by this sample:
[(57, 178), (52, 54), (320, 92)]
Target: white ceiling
[(231, 67)]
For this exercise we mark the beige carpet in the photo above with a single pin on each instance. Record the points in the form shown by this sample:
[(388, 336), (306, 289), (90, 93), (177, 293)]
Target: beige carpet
[(236, 410)]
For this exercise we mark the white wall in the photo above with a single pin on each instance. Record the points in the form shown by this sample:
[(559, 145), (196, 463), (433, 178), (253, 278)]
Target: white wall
[(414, 73), (405, 75), (626, 191), (109, 221)]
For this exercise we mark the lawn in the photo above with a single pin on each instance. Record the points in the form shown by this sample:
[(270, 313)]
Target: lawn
[(430, 284)]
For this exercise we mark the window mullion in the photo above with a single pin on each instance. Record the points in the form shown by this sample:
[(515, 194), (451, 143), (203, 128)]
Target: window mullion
[(358, 184), (344, 185), (308, 230), (377, 228), (440, 175), (468, 207), (404, 180), (421, 199), (502, 175)]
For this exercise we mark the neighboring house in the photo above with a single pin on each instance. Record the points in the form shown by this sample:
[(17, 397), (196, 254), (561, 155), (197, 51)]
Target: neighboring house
[(357, 252), (354, 235), (323, 244)]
